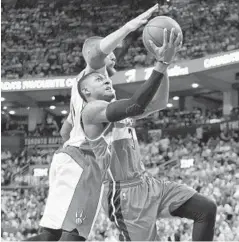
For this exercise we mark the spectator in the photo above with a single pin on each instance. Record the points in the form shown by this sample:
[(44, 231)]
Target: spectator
[(45, 39)]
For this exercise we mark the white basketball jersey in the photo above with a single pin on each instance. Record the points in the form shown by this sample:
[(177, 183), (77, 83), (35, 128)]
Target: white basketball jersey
[(77, 135)]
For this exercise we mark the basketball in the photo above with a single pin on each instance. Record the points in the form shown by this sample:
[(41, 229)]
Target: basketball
[(154, 31)]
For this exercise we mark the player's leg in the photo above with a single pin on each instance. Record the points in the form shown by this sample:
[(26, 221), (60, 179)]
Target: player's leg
[(114, 209), (133, 209), (64, 176), (183, 201), (71, 236), (47, 234), (86, 194), (203, 211)]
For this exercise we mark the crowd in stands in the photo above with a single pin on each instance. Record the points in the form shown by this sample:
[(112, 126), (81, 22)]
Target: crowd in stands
[(173, 118), (21, 211), (15, 168), (213, 170), (11, 165), (167, 118), (42, 38), (45, 39), (49, 126)]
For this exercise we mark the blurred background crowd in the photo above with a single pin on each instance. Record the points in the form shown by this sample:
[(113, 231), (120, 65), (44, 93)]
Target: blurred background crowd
[(50, 126), (168, 118), (42, 38)]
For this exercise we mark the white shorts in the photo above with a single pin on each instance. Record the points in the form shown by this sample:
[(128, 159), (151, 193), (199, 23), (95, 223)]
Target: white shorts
[(75, 192)]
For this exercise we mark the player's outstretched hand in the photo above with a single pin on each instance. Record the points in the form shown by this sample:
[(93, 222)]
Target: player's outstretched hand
[(141, 19), (168, 50)]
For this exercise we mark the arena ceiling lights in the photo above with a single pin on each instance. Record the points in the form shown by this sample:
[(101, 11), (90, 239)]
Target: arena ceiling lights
[(195, 85), (12, 112), (64, 112), (52, 107), (169, 105)]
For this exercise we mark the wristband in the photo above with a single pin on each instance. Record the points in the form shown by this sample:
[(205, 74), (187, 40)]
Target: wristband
[(165, 63)]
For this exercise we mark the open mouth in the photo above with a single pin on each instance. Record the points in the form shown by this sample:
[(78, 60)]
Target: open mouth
[(108, 88)]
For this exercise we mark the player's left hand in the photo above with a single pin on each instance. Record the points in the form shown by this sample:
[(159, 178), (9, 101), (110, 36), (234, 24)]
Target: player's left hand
[(141, 19), (111, 70), (110, 60), (167, 52)]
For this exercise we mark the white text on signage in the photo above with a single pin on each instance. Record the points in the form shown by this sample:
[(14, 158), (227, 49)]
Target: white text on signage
[(37, 84), (221, 60)]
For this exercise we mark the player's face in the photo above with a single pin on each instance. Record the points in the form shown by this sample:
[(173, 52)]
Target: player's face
[(101, 88), (110, 60)]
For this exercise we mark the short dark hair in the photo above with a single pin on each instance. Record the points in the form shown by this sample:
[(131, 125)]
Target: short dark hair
[(82, 79)]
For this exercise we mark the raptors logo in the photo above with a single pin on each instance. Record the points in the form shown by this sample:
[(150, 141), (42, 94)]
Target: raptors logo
[(80, 217)]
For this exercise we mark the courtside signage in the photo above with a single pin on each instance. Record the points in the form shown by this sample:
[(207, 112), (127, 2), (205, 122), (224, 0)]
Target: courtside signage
[(37, 84), (222, 60), (34, 141), (128, 76), (181, 68)]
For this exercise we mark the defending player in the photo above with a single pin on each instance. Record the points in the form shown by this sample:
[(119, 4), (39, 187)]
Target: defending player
[(134, 200), (97, 52), (75, 178)]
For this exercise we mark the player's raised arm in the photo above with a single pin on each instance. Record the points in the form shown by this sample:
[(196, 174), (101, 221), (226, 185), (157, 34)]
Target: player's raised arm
[(170, 47), (110, 42), (98, 93), (95, 49)]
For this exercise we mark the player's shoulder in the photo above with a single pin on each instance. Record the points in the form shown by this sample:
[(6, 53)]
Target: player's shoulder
[(94, 105), (93, 108)]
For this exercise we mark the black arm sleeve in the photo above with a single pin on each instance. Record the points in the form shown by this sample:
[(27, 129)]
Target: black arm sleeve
[(136, 105)]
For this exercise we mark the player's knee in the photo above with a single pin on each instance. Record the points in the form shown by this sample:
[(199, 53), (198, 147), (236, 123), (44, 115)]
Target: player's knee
[(210, 208), (198, 208)]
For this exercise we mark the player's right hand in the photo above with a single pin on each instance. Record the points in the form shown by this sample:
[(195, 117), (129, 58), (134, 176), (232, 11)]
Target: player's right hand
[(141, 19), (168, 50)]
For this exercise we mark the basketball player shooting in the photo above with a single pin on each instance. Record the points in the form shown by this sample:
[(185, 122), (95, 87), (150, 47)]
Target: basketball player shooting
[(75, 177), (133, 199), (99, 56)]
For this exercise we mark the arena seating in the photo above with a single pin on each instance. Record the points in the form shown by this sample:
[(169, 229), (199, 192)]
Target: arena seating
[(46, 39), (170, 118), (163, 119), (50, 127)]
